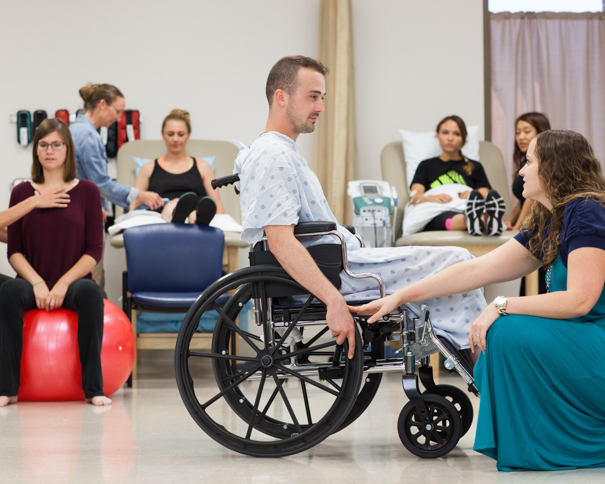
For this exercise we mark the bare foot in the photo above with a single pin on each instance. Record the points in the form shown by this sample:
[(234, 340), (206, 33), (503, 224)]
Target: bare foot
[(99, 401), (4, 401)]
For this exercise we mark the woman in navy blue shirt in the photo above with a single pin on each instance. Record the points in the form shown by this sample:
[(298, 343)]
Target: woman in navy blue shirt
[(540, 374)]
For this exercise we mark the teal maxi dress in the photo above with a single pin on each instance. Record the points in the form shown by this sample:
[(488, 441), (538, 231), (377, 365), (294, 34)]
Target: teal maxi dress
[(542, 381)]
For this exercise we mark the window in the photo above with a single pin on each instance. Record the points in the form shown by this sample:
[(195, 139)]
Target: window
[(496, 6)]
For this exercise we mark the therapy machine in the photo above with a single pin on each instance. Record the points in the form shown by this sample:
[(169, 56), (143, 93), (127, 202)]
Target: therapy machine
[(374, 208)]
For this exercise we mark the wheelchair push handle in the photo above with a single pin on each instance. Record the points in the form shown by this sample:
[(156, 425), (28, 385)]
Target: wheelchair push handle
[(224, 181)]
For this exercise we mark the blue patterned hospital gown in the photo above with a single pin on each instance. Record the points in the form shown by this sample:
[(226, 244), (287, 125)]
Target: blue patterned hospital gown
[(278, 188)]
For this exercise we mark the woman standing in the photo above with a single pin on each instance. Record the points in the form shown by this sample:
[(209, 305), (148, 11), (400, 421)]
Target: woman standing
[(103, 106), (538, 410), (53, 251)]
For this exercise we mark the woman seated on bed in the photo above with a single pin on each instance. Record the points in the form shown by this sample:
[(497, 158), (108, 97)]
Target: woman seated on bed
[(180, 178), (484, 208)]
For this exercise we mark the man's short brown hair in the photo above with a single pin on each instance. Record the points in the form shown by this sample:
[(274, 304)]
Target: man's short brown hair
[(284, 74)]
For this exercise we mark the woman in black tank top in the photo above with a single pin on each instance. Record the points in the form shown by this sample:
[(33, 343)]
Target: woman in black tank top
[(181, 179)]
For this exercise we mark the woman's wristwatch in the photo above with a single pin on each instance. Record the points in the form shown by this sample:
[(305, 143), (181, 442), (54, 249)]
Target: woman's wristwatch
[(500, 303)]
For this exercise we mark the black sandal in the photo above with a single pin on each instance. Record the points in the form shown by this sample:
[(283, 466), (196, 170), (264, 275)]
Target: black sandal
[(206, 210), (184, 207)]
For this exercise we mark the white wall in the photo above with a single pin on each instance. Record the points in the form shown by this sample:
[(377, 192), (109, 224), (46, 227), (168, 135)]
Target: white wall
[(416, 62), (207, 56)]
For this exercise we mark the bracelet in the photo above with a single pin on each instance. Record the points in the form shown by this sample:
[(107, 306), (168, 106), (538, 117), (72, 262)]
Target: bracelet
[(39, 282)]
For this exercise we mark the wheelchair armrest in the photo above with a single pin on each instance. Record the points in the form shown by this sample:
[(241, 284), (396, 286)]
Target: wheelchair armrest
[(313, 227), (350, 228)]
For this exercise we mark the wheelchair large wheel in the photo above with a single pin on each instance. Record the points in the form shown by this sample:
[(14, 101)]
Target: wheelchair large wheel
[(268, 398), (370, 385), (436, 436), (460, 401)]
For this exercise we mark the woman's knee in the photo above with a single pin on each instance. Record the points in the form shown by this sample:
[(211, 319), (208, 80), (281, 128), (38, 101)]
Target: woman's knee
[(86, 291), (14, 293)]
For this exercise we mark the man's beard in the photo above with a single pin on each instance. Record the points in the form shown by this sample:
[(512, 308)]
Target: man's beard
[(299, 126)]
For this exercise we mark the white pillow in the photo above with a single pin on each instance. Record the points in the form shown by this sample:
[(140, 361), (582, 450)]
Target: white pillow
[(418, 147)]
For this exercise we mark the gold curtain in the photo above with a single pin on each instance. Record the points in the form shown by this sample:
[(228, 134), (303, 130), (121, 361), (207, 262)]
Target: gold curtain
[(335, 142)]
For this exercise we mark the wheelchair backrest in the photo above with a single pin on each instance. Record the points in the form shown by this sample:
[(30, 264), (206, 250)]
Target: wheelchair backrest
[(328, 258)]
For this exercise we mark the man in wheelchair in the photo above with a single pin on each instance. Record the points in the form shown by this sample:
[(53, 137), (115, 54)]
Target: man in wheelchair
[(278, 190), (288, 383)]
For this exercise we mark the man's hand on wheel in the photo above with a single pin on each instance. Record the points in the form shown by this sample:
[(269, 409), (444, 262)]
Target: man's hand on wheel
[(341, 324)]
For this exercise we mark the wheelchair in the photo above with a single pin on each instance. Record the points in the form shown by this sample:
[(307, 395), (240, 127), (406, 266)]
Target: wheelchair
[(283, 385)]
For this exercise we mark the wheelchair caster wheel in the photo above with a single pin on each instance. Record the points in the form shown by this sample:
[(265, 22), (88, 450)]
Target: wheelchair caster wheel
[(434, 436), (461, 402)]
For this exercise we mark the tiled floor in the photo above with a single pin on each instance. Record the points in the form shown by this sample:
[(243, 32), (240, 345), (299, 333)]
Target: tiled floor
[(148, 436)]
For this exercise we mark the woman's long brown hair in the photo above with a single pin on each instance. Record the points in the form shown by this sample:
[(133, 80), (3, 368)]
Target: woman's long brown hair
[(567, 170)]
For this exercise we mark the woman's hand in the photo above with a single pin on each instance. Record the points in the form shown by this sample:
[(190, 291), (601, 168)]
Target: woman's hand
[(509, 226), (151, 199), (464, 195), (442, 198), (378, 308), (54, 299), (52, 198), (41, 293), (477, 336)]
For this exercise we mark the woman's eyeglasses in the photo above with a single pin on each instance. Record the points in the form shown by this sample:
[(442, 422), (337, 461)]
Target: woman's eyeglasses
[(56, 146)]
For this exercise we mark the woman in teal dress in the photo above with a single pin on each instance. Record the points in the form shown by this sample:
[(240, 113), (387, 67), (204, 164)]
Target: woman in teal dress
[(541, 373)]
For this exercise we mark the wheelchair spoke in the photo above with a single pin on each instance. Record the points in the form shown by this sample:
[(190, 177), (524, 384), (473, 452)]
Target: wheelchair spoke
[(229, 388), (308, 380), (335, 385), (317, 336), (306, 399), (439, 419), (284, 337), (222, 357), (286, 401), (436, 438), (256, 402), (305, 351), (235, 328), (253, 336), (269, 402)]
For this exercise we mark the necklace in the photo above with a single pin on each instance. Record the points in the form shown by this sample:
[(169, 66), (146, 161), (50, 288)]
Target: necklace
[(548, 276)]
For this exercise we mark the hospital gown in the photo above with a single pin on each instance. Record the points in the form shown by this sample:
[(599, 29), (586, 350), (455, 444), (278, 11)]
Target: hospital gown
[(278, 188)]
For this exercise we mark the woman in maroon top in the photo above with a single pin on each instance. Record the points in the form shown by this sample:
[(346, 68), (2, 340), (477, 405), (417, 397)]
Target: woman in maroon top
[(52, 199), (53, 251)]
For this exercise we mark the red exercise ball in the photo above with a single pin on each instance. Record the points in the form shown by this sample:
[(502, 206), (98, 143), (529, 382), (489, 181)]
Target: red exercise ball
[(50, 366)]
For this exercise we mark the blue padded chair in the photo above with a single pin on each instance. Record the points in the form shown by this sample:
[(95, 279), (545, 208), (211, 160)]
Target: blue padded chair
[(169, 266)]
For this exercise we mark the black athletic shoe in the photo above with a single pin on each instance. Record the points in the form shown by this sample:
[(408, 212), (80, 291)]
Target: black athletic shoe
[(184, 207), (475, 207), (494, 209), (206, 210)]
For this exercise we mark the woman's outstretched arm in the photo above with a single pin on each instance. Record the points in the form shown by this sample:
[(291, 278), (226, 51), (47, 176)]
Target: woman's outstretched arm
[(506, 263)]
